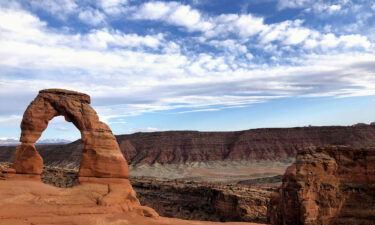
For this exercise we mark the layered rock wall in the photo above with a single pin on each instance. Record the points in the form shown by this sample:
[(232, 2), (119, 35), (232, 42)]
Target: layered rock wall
[(193, 146), (332, 185), (256, 144)]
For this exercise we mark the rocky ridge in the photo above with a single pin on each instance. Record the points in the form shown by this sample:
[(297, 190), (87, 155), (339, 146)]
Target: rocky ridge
[(331, 185), (178, 147)]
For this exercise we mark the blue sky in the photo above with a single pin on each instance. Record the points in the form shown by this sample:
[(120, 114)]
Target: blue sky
[(191, 65)]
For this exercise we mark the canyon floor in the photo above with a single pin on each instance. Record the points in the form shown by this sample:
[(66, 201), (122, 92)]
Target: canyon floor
[(213, 171)]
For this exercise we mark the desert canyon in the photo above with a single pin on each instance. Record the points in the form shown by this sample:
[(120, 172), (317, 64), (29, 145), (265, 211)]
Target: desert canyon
[(283, 176)]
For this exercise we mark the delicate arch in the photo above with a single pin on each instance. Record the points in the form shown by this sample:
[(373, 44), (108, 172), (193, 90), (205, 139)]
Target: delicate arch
[(101, 155)]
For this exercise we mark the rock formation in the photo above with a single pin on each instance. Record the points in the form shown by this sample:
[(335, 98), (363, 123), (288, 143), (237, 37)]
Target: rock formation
[(255, 144), (332, 185), (202, 200), (175, 147), (25, 202), (103, 173), (101, 155), (186, 199)]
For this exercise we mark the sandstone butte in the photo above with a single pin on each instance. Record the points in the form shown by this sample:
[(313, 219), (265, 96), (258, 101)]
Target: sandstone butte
[(331, 185), (104, 195)]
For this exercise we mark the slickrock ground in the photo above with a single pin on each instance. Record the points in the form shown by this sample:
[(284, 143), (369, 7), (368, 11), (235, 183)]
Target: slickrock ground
[(187, 199), (332, 185), (30, 202)]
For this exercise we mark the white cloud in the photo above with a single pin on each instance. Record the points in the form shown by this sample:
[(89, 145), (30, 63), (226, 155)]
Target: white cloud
[(330, 40), (293, 3), (173, 13), (178, 14), (248, 27), (113, 7), (144, 129), (154, 10), (334, 8), (10, 120), (321, 8), (288, 33), (91, 16), (355, 40), (62, 128), (183, 15), (105, 38), (60, 8), (125, 81)]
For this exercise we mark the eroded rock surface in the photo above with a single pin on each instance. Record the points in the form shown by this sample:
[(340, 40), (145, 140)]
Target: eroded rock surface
[(25, 202), (178, 147), (103, 173), (255, 144), (187, 199), (332, 185), (101, 155), (204, 201)]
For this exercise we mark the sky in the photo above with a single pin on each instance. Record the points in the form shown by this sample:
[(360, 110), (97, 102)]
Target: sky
[(193, 64)]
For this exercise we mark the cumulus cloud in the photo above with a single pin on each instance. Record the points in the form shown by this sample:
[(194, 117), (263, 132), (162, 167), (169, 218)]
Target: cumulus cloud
[(173, 13), (104, 39), (248, 27)]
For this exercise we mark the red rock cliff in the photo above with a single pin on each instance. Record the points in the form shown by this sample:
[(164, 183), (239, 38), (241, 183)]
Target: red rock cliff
[(194, 146), (333, 185), (256, 144)]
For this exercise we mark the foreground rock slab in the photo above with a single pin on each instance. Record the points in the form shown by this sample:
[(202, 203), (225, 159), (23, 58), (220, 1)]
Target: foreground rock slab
[(31, 202)]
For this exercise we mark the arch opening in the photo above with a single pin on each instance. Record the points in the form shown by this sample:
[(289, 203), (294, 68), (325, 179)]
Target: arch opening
[(56, 140)]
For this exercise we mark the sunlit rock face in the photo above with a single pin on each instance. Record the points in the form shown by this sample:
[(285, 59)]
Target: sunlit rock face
[(331, 185), (101, 155), (103, 175)]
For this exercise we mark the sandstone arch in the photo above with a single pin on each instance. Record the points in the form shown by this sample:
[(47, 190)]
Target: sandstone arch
[(101, 155)]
